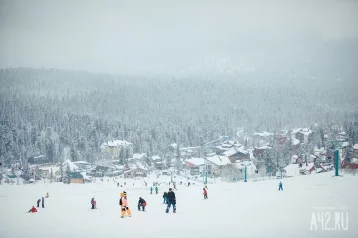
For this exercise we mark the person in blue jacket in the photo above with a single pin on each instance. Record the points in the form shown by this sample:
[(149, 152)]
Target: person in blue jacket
[(280, 186), (151, 190)]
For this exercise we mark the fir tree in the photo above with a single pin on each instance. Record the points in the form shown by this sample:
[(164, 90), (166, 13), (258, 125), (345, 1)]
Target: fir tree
[(67, 176)]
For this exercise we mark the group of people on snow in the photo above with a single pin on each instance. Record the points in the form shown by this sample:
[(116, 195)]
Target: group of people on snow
[(42, 200)]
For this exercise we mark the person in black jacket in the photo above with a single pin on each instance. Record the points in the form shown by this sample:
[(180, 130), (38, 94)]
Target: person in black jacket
[(141, 203), (43, 202), (171, 200), (38, 202)]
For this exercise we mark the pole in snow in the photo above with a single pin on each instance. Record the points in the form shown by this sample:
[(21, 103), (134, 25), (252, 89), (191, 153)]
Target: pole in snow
[(245, 178), (336, 160)]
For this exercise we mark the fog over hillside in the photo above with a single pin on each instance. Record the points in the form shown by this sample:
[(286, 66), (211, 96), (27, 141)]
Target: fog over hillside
[(88, 109)]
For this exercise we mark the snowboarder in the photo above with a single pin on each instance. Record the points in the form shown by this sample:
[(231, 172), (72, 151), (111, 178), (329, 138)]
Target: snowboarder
[(151, 190), (205, 193), (38, 202), (47, 195), (43, 202), (124, 205), (141, 203), (171, 200), (165, 195), (93, 203), (33, 209), (280, 186), (156, 190)]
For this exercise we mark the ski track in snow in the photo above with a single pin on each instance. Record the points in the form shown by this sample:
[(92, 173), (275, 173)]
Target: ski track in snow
[(232, 210)]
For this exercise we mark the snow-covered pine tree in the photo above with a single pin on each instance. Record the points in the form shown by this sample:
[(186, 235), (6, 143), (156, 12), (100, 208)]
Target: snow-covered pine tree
[(26, 172), (67, 176), (61, 171)]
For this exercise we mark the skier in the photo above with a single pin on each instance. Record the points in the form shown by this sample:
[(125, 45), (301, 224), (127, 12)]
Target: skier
[(38, 202), (165, 195), (171, 200), (280, 186), (43, 202), (124, 205), (47, 195), (141, 203), (205, 193), (117, 185), (156, 190), (93, 203), (188, 184), (33, 209), (151, 190)]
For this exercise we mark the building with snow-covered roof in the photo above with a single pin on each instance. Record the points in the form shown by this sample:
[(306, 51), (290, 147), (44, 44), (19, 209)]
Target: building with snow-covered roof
[(305, 135), (195, 165), (118, 148), (82, 164), (355, 151), (140, 157), (215, 163), (237, 154), (195, 162)]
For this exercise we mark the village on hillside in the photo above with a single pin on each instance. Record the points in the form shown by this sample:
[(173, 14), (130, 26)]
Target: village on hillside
[(284, 153)]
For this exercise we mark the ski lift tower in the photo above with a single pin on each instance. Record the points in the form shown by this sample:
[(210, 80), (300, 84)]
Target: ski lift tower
[(336, 146)]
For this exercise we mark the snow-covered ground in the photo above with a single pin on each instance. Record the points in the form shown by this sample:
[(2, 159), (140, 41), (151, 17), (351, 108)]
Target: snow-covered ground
[(252, 209)]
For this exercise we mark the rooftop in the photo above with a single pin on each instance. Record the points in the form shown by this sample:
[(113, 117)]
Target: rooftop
[(196, 161), (219, 160)]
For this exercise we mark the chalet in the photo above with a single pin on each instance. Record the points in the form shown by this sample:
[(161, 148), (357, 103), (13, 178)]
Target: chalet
[(305, 135), (157, 162), (237, 154), (102, 170), (294, 133), (118, 148), (259, 152), (38, 160), (216, 163), (281, 136), (195, 165), (76, 177), (355, 151), (136, 169)]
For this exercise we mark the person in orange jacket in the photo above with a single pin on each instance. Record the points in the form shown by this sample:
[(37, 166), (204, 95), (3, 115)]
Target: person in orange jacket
[(33, 209), (124, 205), (205, 193)]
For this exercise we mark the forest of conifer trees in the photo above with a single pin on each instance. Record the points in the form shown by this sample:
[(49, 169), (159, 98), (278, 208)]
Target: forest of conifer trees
[(44, 111)]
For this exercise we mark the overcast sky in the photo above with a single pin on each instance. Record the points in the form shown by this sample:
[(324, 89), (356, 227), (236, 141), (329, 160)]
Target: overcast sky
[(153, 36)]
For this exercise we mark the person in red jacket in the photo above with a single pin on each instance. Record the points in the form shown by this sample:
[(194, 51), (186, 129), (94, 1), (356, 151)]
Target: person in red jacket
[(205, 193), (33, 209)]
